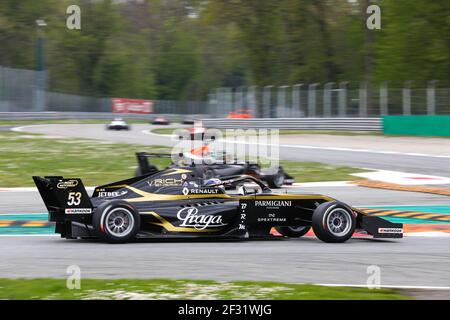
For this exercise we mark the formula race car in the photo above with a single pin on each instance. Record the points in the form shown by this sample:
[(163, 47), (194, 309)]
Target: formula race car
[(174, 203), (118, 124), (240, 114), (219, 168), (160, 121)]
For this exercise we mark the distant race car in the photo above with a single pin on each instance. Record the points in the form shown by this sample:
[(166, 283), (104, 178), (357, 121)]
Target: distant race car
[(240, 114), (175, 203), (188, 120), (118, 124), (219, 168), (160, 121)]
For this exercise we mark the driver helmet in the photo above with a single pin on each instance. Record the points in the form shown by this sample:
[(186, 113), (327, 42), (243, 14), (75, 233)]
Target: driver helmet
[(212, 181)]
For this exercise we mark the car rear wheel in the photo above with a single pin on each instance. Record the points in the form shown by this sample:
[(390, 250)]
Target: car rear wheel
[(293, 232), (277, 180), (333, 222), (116, 221)]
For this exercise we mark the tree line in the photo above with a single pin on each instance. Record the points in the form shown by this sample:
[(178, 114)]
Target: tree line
[(182, 49)]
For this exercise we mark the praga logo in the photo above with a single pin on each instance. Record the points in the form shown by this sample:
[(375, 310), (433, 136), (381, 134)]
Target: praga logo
[(190, 218)]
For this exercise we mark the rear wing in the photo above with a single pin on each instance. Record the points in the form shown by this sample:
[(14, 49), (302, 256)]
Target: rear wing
[(144, 166), (64, 198)]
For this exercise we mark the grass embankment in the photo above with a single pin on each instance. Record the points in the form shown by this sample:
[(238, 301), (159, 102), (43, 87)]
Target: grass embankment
[(182, 289), (24, 155), (96, 162)]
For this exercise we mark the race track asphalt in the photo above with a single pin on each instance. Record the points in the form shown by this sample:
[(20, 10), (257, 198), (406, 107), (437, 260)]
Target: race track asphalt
[(410, 261)]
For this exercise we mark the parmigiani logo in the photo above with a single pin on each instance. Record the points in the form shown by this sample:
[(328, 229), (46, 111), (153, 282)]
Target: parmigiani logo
[(273, 203)]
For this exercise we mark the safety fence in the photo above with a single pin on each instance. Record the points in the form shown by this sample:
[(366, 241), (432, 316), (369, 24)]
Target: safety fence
[(92, 116), (27, 91), (337, 124), (344, 99)]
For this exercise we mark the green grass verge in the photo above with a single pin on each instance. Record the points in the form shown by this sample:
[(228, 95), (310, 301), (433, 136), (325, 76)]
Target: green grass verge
[(317, 172), (96, 162), (124, 289), (289, 132)]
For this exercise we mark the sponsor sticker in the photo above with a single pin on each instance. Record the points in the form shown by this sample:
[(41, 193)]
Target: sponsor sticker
[(204, 191), (190, 218), (273, 204), (168, 182), (271, 219), (390, 230), (67, 184), (78, 211), (111, 194)]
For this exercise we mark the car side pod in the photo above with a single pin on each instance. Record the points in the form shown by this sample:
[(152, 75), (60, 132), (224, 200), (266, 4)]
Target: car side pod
[(381, 228)]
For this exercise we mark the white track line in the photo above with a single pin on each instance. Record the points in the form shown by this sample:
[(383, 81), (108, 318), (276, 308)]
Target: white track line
[(22, 129), (342, 149), (428, 234), (150, 133), (413, 154)]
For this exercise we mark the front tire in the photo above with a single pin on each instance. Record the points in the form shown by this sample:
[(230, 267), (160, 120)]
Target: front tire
[(333, 222), (116, 221), (293, 232)]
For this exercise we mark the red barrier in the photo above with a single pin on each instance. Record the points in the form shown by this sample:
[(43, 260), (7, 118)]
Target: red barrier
[(120, 105)]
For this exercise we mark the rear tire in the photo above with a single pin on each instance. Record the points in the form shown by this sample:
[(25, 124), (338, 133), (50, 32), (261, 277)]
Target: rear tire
[(277, 180), (293, 232), (116, 221), (333, 222)]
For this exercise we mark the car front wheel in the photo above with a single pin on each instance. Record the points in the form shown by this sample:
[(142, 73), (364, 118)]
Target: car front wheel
[(333, 222)]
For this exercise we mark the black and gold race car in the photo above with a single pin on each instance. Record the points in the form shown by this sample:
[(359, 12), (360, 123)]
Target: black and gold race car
[(175, 203), (274, 178)]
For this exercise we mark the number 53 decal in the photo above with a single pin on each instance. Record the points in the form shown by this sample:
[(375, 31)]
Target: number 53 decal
[(74, 199)]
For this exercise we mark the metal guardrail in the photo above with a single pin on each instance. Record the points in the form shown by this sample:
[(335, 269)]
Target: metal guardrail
[(340, 124), (89, 116)]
